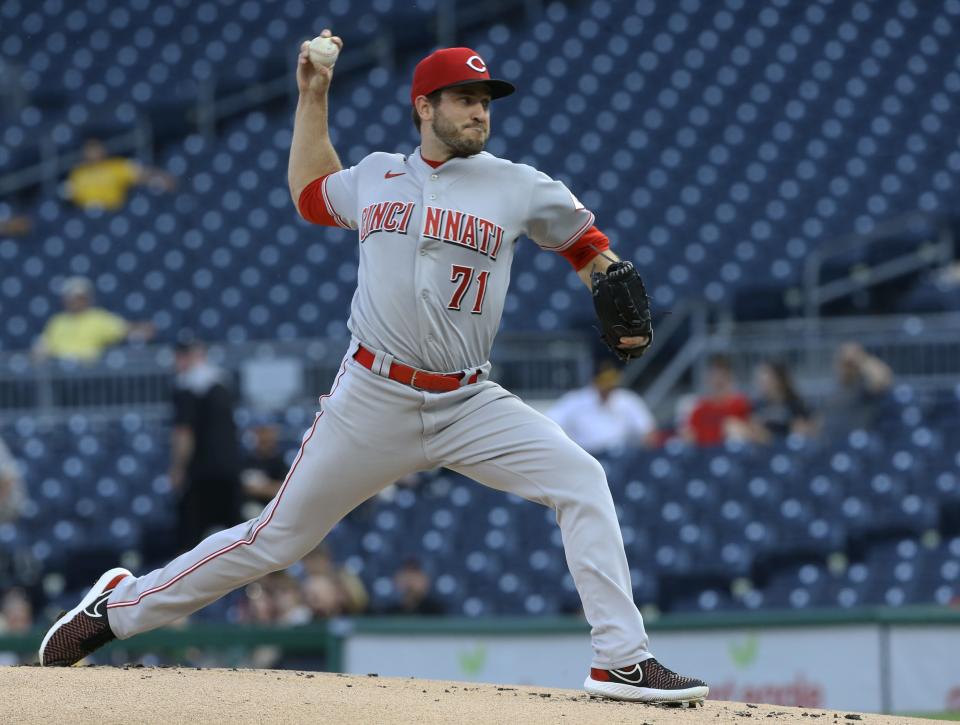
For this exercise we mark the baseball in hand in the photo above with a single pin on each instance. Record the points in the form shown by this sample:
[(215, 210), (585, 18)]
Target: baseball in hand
[(323, 51)]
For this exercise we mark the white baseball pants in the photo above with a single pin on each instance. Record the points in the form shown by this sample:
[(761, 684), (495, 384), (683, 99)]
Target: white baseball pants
[(369, 432)]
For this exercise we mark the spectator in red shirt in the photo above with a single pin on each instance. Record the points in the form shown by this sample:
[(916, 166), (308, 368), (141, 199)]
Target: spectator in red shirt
[(722, 403)]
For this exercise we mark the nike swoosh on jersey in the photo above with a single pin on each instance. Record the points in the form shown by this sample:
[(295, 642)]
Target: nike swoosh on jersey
[(92, 609), (390, 174), (632, 676)]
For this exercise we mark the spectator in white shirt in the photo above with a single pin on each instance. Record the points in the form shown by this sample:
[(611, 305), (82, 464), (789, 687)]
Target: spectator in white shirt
[(603, 416)]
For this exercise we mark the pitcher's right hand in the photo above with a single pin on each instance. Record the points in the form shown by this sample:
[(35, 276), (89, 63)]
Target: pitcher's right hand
[(313, 78)]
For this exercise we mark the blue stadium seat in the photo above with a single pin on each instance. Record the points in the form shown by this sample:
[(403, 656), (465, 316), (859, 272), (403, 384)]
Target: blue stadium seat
[(729, 171), (678, 142)]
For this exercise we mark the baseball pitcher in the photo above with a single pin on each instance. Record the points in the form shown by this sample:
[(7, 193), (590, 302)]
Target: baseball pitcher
[(437, 230)]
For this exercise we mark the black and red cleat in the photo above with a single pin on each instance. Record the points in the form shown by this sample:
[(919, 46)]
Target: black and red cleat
[(646, 681), (84, 628)]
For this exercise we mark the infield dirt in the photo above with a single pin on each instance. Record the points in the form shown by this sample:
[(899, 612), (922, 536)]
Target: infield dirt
[(133, 695)]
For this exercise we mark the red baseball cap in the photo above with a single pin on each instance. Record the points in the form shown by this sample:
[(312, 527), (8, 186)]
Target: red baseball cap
[(450, 67)]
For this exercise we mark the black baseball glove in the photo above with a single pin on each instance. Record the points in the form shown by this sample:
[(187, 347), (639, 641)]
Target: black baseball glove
[(623, 307)]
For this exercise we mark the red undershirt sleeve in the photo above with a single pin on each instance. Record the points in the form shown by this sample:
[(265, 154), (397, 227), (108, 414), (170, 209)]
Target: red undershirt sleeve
[(312, 206), (590, 243)]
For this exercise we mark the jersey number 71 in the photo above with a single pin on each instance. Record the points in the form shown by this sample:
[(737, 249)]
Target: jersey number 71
[(462, 276)]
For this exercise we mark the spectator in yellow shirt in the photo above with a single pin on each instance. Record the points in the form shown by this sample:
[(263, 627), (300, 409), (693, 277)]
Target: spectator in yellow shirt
[(104, 182), (82, 332)]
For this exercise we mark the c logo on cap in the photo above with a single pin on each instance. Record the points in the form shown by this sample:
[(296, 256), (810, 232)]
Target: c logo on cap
[(476, 63)]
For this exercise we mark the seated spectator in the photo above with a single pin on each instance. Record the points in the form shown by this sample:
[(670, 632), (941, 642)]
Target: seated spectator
[(323, 596), (264, 469), (711, 415), (82, 332), (412, 585), (275, 599), (12, 495), (257, 606), (778, 410), (604, 416), (862, 383), (103, 182), (352, 595), (289, 606)]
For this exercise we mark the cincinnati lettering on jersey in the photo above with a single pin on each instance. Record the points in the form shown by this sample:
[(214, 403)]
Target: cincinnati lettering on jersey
[(465, 230), (385, 216)]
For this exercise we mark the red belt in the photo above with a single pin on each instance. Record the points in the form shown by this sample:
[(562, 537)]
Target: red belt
[(414, 377)]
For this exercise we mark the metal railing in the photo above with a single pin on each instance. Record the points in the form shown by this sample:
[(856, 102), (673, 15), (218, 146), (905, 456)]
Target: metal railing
[(922, 350), (539, 365), (54, 164), (124, 379), (935, 246)]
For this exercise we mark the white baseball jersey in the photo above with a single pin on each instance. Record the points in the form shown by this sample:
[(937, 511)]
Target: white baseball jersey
[(436, 245)]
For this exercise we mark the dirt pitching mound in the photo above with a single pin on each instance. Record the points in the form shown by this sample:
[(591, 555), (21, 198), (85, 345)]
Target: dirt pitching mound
[(129, 695)]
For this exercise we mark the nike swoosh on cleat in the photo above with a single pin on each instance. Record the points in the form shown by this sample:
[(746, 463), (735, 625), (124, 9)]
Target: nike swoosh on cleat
[(632, 676), (91, 610), (391, 175)]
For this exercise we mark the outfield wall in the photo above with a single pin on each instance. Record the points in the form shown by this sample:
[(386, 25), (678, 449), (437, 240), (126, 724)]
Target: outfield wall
[(870, 660), (891, 660)]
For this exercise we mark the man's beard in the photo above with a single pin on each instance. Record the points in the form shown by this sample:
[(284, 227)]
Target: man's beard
[(460, 143)]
